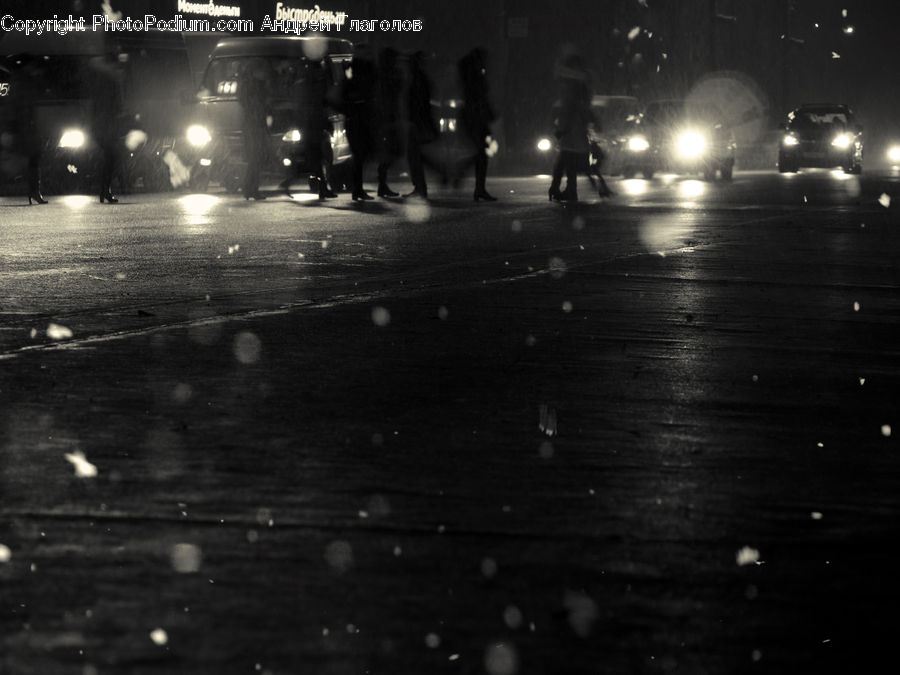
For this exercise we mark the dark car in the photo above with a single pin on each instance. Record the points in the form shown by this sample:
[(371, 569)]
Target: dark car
[(673, 136), (822, 135), (214, 147)]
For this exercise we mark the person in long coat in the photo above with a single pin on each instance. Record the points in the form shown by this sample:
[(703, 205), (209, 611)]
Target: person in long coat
[(253, 95), (421, 129), (573, 117), (361, 113), (107, 107), (389, 88), (27, 88), (476, 115)]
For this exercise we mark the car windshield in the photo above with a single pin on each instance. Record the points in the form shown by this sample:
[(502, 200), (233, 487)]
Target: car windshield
[(818, 119)]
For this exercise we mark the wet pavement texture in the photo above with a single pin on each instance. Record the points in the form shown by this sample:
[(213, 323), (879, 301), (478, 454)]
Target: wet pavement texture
[(649, 434)]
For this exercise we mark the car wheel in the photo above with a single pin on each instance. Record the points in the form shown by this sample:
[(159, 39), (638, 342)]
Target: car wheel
[(647, 172), (628, 172)]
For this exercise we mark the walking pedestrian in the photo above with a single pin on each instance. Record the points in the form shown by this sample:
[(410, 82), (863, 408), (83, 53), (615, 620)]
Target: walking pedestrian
[(476, 116), (421, 128), (253, 96), (358, 102), (106, 118), (388, 92), (573, 116), (27, 87)]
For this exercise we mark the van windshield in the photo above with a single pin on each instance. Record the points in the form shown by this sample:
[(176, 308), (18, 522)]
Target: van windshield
[(282, 73)]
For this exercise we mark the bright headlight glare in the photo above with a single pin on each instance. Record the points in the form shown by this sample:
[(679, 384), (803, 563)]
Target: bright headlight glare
[(72, 138), (198, 136), (638, 144), (790, 140), (292, 136), (841, 141), (544, 145), (691, 144), (894, 153)]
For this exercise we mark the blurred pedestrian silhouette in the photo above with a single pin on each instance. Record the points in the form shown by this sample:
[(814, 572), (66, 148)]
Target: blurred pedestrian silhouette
[(388, 92), (106, 117), (421, 128), (476, 116), (26, 87), (253, 96), (315, 130), (359, 107), (573, 116)]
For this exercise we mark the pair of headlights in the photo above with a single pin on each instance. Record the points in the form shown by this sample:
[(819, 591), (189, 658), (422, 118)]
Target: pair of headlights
[(841, 141), (199, 136), (688, 144)]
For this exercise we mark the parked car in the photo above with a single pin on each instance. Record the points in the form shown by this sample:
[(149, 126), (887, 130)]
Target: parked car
[(822, 135), (672, 136), (214, 148)]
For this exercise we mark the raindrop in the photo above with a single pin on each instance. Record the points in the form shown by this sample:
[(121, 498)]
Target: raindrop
[(247, 347), (186, 558), (501, 659), (381, 317), (57, 332), (339, 555), (747, 556), (159, 636)]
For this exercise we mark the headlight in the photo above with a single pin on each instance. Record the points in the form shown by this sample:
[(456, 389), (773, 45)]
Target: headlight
[(638, 144), (691, 144), (72, 138), (198, 136), (292, 136), (894, 153), (842, 141), (544, 145), (790, 140)]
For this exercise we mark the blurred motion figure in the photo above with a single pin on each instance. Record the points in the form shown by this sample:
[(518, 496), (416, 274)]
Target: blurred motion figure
[(106, 117), (573, 117), (27, 87), (476, 115), (253, 95)]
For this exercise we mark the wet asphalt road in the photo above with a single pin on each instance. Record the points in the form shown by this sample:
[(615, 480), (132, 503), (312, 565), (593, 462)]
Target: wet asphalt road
[(650, 434)]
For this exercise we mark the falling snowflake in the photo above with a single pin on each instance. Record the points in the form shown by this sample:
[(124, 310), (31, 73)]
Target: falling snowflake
[(855, 306), (5, 554), (816, 515), (884, 200), (567, 306), (747, 556), (582, 612), (247, 347), (83, 468), (634, 32), (339, 555), (57, 332), (835, 55), (886, 430), (501, 659), (443, 313), (186, 558), (512, 617), (381, 317), (433, 640), (159, 636)]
